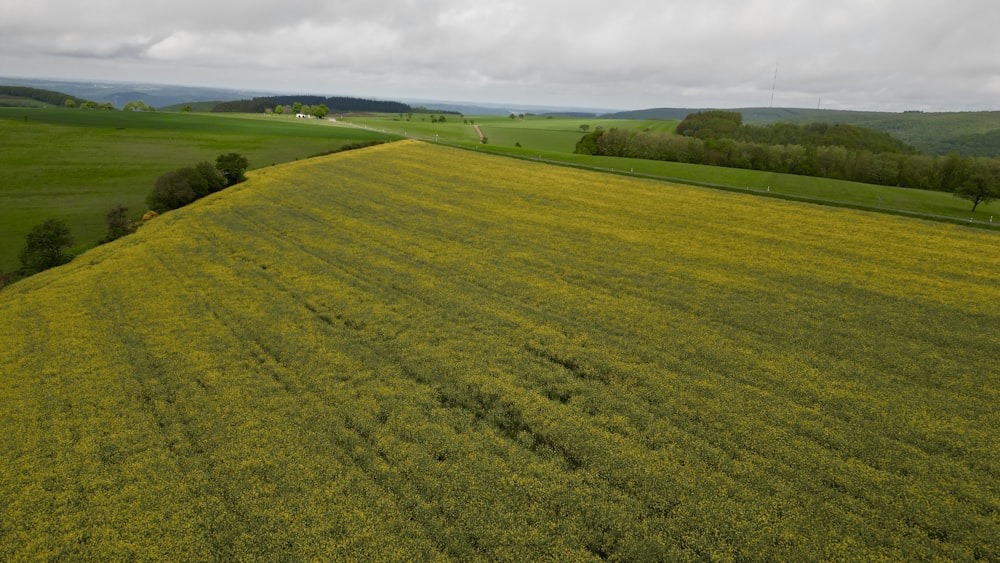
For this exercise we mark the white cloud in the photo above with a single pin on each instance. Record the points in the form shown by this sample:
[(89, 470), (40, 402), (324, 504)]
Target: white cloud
[(891, 54)]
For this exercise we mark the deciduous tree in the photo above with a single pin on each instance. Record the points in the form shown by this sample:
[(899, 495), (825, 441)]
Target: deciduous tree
[(45, 246), (981, 183), (172, 190), (118, 222), (204, 179), (233, 166)]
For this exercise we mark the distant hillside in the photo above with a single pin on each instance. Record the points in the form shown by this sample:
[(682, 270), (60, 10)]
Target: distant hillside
[(195, 106), (19, 102), (504, 109), (18, 96), (568, 114), (666, 114), (459, 108), (334, 103), (718, 124), (118, 94), (967, 133), (759, 116)]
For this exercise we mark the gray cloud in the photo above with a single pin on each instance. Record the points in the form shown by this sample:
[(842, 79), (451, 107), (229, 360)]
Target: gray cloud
[(852, 54)]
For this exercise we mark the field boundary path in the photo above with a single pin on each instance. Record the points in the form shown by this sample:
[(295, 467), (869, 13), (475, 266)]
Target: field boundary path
[(479, 132)]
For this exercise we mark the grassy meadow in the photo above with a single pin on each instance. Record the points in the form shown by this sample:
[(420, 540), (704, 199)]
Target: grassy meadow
[(415, 352), (75, 165), (533, 132)]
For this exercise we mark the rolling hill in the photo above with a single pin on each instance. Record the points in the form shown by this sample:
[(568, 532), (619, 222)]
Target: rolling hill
[(118, 93), (414, 352), (23, 96)]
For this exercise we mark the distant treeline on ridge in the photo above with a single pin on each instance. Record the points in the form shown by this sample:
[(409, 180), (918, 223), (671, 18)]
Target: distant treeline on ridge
[(335, 104), (45, 96), (717, 124)]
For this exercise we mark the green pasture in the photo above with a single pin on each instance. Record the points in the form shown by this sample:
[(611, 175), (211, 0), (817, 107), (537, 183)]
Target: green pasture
[(74, 165), (532, 132), (18, 102)]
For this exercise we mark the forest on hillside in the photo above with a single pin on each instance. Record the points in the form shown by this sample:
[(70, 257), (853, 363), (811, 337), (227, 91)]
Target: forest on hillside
[(45, 96), (729, 125), (334, 103), (968, 133)]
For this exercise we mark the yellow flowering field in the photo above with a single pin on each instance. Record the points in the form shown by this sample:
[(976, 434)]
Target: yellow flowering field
[(411, 352)]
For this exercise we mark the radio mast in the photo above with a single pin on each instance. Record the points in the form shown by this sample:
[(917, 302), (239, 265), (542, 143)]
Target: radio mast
[(775, 83)]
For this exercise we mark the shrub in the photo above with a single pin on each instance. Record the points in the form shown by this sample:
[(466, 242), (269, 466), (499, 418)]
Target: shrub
[(232, 166), (118, 222), (172, 190), (178, 188), (204, 179)]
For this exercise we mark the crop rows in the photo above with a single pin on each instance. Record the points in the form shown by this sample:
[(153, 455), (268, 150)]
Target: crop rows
[(413, 352)]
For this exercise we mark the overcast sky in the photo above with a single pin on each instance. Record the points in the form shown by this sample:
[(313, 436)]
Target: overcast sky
[(626, 54)]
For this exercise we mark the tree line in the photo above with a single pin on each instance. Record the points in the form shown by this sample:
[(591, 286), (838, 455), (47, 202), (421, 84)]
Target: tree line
[(180, 187), (334, 103), (718, 124), (976, 179), (319, 111)]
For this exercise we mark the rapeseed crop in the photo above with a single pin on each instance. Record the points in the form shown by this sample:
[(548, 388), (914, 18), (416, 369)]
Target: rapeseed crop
[(410, 352)]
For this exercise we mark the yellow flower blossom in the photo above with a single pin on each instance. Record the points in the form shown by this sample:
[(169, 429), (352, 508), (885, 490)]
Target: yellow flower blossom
[(411, 352)]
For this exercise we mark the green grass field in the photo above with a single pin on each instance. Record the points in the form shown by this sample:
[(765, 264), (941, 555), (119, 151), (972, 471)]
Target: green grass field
[(19, 102), (414, 352), (75, 165), (534, 133)]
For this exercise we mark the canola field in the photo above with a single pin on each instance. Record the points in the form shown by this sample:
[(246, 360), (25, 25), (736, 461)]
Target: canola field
[(412, 352)]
